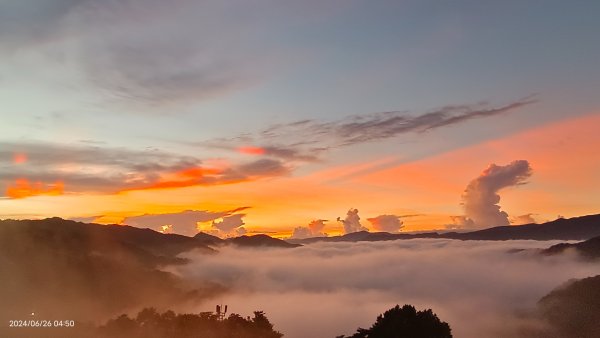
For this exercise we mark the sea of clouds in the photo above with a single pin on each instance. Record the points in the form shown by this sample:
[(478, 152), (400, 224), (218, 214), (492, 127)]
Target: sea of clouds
[(481, 288)]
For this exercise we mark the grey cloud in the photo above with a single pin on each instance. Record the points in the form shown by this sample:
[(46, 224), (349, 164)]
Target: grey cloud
[(291, 153), (100, 169), (264, 167), (378, 126), (87, 168), (480, 198), (148, 52), (26, 22), (42, 154), (307, 140)]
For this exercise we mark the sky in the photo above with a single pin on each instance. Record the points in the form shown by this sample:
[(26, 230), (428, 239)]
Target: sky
[(299, 118)]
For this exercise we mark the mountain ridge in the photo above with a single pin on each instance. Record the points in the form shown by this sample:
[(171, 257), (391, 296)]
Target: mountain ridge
[(575, 228)]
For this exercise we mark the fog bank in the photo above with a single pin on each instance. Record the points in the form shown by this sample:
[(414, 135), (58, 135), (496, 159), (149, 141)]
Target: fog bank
[(327, 289)]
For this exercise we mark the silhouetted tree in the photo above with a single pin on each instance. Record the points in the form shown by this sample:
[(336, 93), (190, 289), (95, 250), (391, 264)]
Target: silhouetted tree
[(151, 324), (405, 322)]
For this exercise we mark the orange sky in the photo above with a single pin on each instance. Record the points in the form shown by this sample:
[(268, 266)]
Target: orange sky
[(565, 181)]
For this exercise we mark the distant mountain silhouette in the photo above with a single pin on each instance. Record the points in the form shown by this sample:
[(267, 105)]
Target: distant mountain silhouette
[(260, 241), (208, 239), (577, 228), (589, 249), (244, 241)]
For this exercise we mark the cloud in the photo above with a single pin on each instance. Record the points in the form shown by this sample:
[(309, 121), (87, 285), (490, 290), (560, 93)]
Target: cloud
[(316, 226), (522, 219), (87, 168), (23, 188), (378, 126), (291, 152), (301, 232), (184, 222), (352, 222), (460, 222), (166, 229), (150, 52), (27, 22), (342, 286), (251, 150), (306, 140), (199, 175), (94, 169), (19, 158), (314, 229), (387, 223), (480, 198), (229, 226), (262, 167)]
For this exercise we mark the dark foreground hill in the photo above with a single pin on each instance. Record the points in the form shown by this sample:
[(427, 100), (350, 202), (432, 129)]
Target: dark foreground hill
[(65, 269), (577, 228), (573, 310), (80, 270)]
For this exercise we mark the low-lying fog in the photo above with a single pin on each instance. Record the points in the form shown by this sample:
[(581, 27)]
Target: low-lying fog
[(326, 289)]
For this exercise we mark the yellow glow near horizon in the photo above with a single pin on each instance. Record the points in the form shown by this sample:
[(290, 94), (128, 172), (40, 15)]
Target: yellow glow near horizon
[(428, 190)]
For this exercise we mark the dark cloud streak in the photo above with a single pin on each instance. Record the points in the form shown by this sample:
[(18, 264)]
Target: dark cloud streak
[(378, 126), (307, 140)]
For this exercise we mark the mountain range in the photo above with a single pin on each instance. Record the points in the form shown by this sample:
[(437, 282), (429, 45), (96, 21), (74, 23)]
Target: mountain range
[(60, 268), (577, 228)]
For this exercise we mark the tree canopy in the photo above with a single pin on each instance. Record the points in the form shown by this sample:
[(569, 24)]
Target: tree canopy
[(151, 324), (405, 322)]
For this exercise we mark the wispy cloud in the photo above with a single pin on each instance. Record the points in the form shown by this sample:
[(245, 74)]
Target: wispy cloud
[(307, 140), (150, 52), (99, 169), (378, 126), (23, 188)]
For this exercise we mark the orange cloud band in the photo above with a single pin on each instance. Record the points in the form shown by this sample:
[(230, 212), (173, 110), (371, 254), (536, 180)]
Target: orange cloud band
[(22, 188)]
